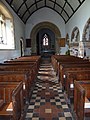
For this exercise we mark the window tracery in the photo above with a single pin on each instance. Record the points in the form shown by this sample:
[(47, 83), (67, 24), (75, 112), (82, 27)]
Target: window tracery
[(45, 40)]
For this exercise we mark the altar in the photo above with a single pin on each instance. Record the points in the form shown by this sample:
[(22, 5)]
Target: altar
[(47, 53)]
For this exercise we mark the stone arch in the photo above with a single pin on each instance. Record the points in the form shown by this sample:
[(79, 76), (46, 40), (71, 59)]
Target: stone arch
[(75, 39), (86, 40), (86, 27), (40, 26)]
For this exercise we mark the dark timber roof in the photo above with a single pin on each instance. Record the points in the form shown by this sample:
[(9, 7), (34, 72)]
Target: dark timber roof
[(25, 8)]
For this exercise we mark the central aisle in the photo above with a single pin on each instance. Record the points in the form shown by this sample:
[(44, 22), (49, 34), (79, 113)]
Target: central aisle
[(47, 101)]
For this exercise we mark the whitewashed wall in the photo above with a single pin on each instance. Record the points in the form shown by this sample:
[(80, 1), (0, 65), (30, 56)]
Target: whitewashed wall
[(43, 15), (79, 19), (19, 28)]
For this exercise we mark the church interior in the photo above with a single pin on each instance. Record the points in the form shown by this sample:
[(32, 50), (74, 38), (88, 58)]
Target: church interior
[(44, 60)]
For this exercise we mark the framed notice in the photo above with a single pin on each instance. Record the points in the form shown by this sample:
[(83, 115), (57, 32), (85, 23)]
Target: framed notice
[(61, 42), (28, 42)]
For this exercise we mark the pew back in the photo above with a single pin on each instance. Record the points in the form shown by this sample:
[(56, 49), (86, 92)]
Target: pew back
[(11, 92), (75, 75), (82, 91), (17, 76)]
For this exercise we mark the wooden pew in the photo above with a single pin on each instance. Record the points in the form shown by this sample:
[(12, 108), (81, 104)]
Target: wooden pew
[(20, 67), (75, 75), (32, 59), (81, 102), (12, 95), (59, 59), (35, 64), (27, 63), (55, 59), (71, 67), (65, 59), (17, 76)]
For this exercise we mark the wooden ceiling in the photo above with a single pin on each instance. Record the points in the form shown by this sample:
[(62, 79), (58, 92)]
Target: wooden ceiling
[(25, 8)]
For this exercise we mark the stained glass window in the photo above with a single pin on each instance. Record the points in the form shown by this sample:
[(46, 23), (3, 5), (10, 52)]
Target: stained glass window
[(45, 40)]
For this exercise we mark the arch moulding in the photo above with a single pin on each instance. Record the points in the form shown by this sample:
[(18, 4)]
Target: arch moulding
[(40, 26)]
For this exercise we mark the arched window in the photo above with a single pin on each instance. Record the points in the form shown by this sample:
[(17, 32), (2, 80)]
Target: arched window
[(6, 29), (86, 32), (75, 37), (45, 40)]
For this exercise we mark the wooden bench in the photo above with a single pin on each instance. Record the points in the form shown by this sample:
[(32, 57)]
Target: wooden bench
[(35, 64), (17, 76), (34, 59), (81, 102), (66, 60), (75, 75), (22, 63), (12, 95), (59, 59), (18, 67), (71, 67)]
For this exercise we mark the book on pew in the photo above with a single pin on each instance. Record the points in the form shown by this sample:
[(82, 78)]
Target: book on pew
[(87, 103), (9, 108), (71, 85)]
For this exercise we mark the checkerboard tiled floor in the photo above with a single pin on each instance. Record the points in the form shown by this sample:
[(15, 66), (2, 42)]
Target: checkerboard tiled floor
[(47, 101)]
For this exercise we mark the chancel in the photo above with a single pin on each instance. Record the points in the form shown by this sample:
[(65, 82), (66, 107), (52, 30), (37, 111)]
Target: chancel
[(44, 60)]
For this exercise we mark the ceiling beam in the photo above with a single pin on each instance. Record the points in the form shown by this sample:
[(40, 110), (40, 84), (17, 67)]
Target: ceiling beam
[(43, 7), (48, 7), (21, 5), (11, 2), (13, 9), (30, 7), (75, 10), (27, 8), (45, 2), (79, 1), (63, 7), (36, 4), (54, 4), (70, 6)]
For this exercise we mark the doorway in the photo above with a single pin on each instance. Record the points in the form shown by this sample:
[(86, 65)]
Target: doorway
[(21, 47), (45, 40)]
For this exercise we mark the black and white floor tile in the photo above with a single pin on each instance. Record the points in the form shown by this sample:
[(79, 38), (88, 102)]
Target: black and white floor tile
[(47, 101)]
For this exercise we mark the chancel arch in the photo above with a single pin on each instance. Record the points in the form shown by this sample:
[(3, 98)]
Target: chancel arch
[(44, 25)]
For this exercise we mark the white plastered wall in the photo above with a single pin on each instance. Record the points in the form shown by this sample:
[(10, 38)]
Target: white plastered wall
[(45, 15), (19, 28), (79, 19)]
